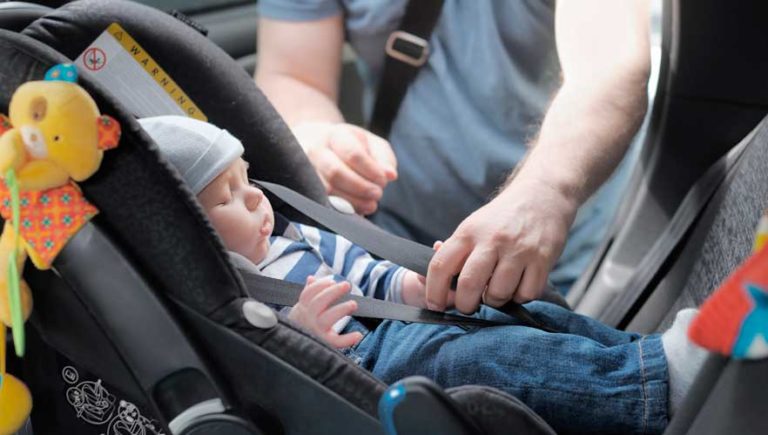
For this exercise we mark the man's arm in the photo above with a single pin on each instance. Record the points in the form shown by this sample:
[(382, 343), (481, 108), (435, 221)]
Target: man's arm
[(298, 69), (512, 243), (605, 55)]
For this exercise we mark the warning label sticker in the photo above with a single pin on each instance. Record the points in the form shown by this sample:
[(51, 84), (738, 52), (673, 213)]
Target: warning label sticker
[(121, 65)]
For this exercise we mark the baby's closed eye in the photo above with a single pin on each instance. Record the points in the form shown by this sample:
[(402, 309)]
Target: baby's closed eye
[(224, 198)]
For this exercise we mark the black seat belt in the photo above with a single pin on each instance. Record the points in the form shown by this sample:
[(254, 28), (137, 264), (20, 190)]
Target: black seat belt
[(360, 231), (660, 255), (406, 51), (285, 293)]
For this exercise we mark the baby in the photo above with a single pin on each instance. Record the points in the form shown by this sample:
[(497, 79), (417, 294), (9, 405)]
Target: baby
[(589, 378), (208, 159)]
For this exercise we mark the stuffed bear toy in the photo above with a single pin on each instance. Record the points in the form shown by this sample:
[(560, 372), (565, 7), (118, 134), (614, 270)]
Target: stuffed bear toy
[(54, 136)]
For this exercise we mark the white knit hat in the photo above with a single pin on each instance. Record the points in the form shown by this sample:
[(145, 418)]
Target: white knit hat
[(200, 151)]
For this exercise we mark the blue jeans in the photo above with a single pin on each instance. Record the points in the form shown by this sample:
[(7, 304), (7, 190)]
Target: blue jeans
[(591, 378)]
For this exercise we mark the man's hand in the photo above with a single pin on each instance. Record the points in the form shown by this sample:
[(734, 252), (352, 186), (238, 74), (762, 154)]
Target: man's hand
[(504, 250), (317, 311), (352, 162)]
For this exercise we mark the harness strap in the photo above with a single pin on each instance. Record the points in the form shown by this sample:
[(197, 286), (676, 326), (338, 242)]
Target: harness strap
[(406, 253), (284, 293)]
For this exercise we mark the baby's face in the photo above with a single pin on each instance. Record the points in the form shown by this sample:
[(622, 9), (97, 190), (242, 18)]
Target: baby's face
[(239, 212)]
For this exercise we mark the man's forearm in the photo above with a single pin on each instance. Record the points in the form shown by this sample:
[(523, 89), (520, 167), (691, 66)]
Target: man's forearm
[(585, 133), (297, 102)]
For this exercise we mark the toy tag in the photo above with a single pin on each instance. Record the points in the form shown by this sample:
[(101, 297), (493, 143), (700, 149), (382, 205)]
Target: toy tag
[(761, 235)]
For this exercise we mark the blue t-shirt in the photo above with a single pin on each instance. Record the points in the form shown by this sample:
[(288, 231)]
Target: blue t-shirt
[(465, 121)]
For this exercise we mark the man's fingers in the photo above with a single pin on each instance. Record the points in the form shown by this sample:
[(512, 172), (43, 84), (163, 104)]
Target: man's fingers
[(342, 177), (451, 302), (353, 186), (353, 149), (341, 180), (346, 340), (328, 296), (473, 278), (446, 263), (504, 282), (382, 151), (335, 313), (531, 284), (422, 278)]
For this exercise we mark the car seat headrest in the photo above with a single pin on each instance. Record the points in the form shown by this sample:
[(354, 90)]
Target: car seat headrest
[(17, 15), (212, 79), (144, 206)]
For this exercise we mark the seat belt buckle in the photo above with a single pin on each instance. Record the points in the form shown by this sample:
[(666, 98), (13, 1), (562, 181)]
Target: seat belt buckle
[(407, 48)]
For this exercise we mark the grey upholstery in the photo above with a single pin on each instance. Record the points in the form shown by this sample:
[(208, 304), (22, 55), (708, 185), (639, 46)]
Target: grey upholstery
[(721, 239)]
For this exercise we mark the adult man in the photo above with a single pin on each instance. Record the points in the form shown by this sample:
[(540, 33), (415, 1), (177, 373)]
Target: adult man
[(464, 124)]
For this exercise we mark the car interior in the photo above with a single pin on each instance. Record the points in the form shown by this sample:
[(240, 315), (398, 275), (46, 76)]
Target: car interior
[(174, 333)]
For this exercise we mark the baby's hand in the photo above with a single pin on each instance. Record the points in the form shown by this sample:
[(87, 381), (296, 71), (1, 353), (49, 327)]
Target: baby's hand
[(316, 311)]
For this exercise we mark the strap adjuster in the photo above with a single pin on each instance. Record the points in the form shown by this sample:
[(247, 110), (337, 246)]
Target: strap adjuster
[(407, 47)]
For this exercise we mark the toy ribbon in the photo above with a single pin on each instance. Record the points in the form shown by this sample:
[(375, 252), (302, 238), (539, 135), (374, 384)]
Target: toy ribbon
[(14, 289)]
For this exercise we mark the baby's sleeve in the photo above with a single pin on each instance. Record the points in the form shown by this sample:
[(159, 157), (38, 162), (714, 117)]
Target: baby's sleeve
[(378, 279)]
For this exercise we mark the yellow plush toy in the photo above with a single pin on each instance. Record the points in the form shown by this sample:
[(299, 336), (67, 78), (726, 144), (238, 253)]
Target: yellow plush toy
[(54, 136)]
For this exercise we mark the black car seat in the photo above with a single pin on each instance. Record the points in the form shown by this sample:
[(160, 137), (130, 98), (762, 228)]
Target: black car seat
[(16, 16)]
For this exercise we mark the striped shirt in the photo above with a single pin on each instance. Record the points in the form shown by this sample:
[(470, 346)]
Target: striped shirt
[(297, 251)]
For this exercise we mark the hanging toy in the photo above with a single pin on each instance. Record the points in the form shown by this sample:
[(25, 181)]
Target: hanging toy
[(734, 320), (54, 136)]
